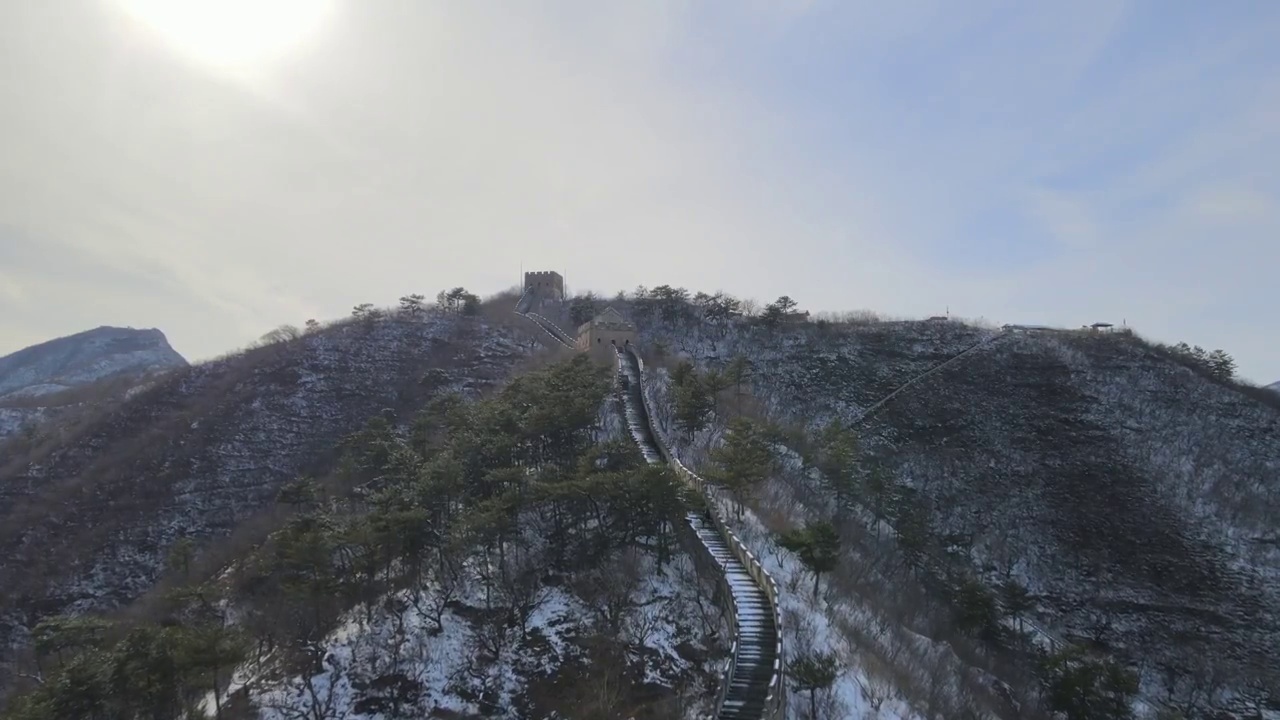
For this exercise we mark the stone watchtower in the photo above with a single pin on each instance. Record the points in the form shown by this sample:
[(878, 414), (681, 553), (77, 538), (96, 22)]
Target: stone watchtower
[(604, 333), (546, 284)]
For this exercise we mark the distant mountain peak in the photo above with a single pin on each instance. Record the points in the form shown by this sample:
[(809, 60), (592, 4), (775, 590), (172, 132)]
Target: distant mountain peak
[(1274, 386), (84, 358)]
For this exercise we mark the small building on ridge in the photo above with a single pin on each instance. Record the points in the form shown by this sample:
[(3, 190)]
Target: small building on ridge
[(605, 332)]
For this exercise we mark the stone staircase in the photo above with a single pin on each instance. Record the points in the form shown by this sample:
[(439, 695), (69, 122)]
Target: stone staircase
[(752, 686)]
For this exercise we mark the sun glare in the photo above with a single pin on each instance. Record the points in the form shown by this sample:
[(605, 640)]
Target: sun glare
[(231, 33)]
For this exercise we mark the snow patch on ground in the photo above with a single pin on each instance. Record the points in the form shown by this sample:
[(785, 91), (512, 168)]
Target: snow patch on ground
[(395, 640)]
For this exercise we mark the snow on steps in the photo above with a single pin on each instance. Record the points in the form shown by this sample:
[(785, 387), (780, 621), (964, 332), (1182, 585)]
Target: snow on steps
[(753, 686)]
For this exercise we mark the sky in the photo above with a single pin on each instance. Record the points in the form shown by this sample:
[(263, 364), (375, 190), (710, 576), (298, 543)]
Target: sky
[(1055, 163)]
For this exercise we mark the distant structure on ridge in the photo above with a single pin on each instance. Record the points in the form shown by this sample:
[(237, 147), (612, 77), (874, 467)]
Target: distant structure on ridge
[(604, 333), (546, 284)]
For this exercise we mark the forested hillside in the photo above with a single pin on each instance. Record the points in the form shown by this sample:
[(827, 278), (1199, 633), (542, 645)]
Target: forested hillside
[(90, 509), (430, 511), (1090, 490), (508, 557), (62, 376)]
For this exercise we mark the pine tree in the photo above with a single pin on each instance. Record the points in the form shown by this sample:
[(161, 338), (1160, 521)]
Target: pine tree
[(671, 302), (976, 610), (65, 637), (582, 309), (818, 545), (181, 554), (775, 311), (412, 305), (1085, 688), (1016, 600), (694, 404), (910, 519), (1221, 364), (878, 490), (715, 382), (813, 672), (737, 372), (743, 461), (205, 652), (838, 458)]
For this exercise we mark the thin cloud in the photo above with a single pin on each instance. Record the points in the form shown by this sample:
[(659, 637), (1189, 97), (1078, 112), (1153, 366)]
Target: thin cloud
[(1020, 162)]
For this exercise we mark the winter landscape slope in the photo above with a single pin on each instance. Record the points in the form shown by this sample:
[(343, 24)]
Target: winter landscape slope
[(1134, 498), (93, 366), (87, 518), (1274, 386), (141, 512), (84, 358), (1129, 495)]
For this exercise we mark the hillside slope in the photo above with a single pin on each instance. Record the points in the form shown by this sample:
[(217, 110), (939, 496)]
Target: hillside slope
[(87, 516), (83, 358), (1136, 498), (54, 377), (1133, 497), (455, 553)]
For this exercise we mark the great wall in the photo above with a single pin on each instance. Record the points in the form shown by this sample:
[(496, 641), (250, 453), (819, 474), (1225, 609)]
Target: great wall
[(752, 686)]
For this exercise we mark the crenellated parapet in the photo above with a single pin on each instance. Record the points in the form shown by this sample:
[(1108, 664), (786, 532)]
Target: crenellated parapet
[(546, 284)]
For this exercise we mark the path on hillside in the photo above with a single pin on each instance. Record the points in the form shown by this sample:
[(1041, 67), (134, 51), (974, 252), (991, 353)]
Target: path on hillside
[(1043, 636), (550, 328), (924, 376), (752, 687)]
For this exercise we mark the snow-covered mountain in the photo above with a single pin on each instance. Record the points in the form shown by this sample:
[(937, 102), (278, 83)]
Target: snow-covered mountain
[(55, 377), (1274, 386), (200, 450), (93, 515), (1121, 489), (84, 358), (1012, 493)]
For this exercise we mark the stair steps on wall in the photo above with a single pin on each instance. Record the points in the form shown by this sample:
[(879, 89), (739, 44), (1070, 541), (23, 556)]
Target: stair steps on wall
[(753, 688), (746, 694)]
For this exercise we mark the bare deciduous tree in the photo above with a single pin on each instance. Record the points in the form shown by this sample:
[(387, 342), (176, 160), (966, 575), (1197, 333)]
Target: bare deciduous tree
[(609, 591)]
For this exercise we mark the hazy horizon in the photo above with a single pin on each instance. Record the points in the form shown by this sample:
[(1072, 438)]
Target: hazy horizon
[(216, 176)]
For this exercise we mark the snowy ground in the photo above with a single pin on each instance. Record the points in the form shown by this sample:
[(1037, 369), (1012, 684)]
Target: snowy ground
[(811, 624), (444, 663), (1017, 444)]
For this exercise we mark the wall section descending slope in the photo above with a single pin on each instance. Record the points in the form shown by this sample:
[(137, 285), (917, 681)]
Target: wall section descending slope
[(753, 682), (550, 328), (752, 687)]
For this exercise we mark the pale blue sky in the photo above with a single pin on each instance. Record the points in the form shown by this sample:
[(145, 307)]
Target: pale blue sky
[(1054, 163)]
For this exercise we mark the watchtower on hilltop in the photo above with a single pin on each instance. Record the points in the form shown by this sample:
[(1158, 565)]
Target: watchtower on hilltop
[(546, 284)]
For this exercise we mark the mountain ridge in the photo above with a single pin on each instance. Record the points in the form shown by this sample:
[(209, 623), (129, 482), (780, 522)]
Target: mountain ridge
[(85, 357), (1072, 489), (42, 381)]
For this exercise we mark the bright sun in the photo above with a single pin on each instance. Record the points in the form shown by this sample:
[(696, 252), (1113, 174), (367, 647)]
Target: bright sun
[(231, 33)]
